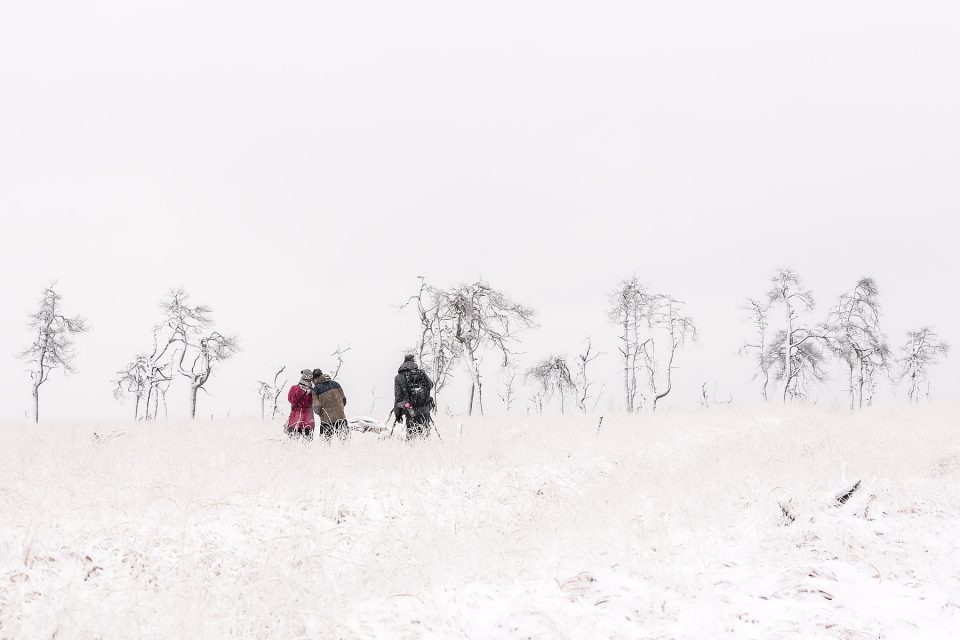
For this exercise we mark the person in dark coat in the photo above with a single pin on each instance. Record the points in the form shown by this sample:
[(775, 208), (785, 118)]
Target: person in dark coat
[(300, 423), (328, 403), (412, 399)]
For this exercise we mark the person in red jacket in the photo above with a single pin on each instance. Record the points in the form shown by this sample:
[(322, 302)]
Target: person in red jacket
[(300, 423)]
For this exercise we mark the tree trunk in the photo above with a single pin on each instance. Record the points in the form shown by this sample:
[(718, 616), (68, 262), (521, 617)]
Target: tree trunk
[(146, 409), (36, 404), (788, 355), (861, 381), (853, 393), (193, 401), (626, 365), (475, 378)]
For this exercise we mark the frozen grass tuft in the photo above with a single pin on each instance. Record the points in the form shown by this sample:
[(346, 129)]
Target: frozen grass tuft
[(671, 526)]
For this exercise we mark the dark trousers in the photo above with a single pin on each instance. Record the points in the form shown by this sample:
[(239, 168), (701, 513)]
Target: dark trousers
[(296, 433), (340, 428), (418, 424)]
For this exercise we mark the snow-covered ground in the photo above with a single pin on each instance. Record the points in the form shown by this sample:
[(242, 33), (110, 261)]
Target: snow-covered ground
[(655, 527)]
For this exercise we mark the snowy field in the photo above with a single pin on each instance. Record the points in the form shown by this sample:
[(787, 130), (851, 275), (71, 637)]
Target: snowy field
[(657, 527)]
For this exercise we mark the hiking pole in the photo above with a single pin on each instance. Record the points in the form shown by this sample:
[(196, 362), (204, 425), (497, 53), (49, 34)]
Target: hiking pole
[(437, 431), (394, 425)]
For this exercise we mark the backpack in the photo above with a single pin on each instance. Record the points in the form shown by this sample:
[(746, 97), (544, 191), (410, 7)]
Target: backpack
[(418, 388)]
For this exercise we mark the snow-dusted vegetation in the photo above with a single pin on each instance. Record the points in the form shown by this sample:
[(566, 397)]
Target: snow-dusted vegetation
[(718, 523)]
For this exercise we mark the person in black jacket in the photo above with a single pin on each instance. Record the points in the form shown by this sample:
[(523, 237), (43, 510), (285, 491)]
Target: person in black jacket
[(412, 399)]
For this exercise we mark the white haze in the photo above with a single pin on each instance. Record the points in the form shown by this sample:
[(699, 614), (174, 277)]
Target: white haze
[(295, 165)]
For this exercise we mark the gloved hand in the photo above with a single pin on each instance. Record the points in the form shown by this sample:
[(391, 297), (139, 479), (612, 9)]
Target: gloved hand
[(398, 414)]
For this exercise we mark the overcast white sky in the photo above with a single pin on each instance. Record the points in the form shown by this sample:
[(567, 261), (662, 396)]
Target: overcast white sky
[(295, 165)]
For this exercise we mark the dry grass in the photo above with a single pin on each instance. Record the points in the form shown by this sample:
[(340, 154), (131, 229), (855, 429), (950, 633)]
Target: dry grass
[(665, 527)]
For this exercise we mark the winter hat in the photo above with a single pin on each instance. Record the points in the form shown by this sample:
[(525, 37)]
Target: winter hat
[(408, 358), (306, 375), (317, 373)]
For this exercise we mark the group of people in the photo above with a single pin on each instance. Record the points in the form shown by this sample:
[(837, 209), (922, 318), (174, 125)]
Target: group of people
[(317, 394)]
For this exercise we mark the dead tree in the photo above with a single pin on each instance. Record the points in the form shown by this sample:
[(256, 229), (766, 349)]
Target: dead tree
[(795, 349), (53, 342), (508, 391), (149, 375), (553, 376), (759, 346), (629, 308), (536, 401), (670, 329), (338, 354), (437, 350), (200, 348), (922, 350), (484, 317), (855, 336), (708, 399), (462, 323), (134, 379), (581, 380), (271, 392), (210, 350)]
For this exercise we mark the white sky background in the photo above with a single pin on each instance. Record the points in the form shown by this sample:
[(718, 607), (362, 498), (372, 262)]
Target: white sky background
[(295, 165)]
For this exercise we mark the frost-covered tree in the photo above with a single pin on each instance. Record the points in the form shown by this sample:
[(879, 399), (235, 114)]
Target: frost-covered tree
[(134, 379), (653, 328), (53, 343), (670, 329), (922, 350), (629, 308), (437, 349), (208, 352), (508, 386), (200, 348), (338, 354), (758, 346), (149, 375), (581, 379), (855, 336), (484, 318), (270, 392), (795, 350), (462, 323), (553, 376)]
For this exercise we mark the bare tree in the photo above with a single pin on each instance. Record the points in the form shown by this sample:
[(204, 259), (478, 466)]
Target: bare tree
[(649, 322), (855, 336), (53, 343), (759, 346), (484, 317), (461, 323), (536, 401), (210, 350), (795, 350), (134, 379), (437, 350), (922, 350), (708, 399), (629, 306), (149, 375), (338, 354), (553, 376), (271, 392), (199, 348), (581, 380), (508, 392), (670, 329), (159, 368)]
